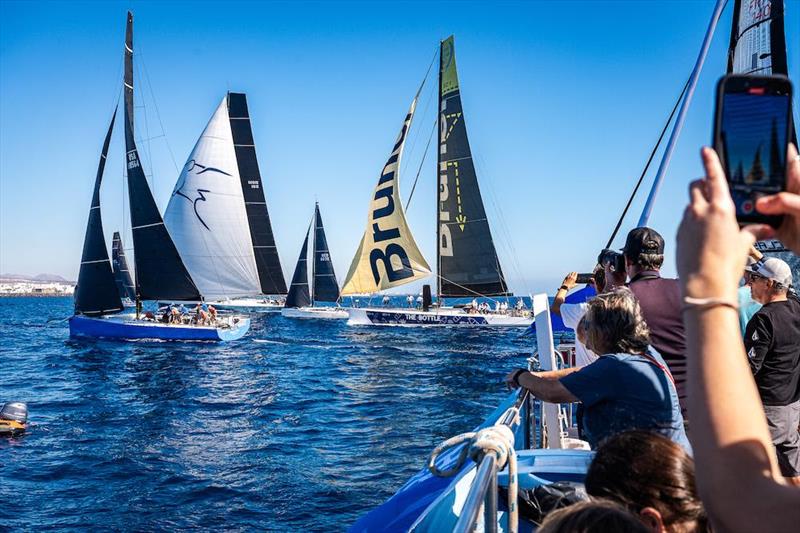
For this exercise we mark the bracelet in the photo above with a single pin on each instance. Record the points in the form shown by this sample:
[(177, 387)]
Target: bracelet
[(517, 373), (707, 303), (563, 288)]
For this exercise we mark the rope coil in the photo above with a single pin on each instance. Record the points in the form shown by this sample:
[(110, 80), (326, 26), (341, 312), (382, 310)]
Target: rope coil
[(497, 439)]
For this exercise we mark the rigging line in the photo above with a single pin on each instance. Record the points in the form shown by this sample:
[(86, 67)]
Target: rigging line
[(421, 163), (465, 288), (647, 165), (424, 112), (158, 116), (684, 108)]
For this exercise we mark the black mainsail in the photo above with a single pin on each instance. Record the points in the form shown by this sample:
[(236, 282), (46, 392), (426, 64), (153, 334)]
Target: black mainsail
[(122, 273), (299, 295), (160, 272), (267, 260), (96, 292), (467, 259), (325, 286)]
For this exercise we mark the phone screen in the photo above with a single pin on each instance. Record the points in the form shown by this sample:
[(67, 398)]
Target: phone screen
[(754, 133)]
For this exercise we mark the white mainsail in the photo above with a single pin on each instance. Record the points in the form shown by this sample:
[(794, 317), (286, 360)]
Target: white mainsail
[(207, 219), (387, 256)]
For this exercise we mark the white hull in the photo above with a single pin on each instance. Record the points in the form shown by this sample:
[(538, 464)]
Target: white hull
[(252, 305), (324, 313), (448, 316)]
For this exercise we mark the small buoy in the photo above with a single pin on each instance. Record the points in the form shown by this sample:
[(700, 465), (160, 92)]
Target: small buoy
[(13, 417)]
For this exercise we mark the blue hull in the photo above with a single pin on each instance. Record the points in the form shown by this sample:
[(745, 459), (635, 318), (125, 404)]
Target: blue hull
[(127, 328)]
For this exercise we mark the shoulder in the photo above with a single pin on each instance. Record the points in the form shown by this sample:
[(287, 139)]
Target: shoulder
[(571, 313)]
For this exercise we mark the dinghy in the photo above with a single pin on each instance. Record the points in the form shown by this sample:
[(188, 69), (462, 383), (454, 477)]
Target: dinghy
[(160, 271), (300, 302), (467, 262)]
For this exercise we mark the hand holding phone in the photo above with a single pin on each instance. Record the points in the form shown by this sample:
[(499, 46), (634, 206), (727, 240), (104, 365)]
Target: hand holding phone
[(752, 129)]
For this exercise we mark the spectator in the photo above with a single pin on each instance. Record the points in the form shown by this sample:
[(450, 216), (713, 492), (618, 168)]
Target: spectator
[(659, 299), (772, 342), (652, 477), (747, 306), (626, 387), (592, 517), (737, 474)]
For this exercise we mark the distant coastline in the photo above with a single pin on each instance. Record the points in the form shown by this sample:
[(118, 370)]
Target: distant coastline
[(19, 285)]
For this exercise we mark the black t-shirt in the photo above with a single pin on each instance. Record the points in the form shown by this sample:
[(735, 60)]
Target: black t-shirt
[(772, 341), (660, 301)]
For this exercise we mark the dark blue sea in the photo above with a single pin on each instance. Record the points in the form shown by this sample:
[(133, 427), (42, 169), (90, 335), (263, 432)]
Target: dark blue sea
[(299, 426)]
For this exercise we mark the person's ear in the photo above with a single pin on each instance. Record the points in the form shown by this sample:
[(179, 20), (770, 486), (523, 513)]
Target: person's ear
[(652, 519)]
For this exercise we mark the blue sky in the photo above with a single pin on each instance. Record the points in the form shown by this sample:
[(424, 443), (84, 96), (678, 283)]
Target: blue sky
[(563, 102)]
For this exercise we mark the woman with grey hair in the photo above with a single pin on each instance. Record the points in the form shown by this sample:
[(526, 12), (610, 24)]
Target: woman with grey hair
[(628, 387)]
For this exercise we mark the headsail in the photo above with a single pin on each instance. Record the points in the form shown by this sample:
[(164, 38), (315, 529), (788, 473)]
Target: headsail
[(326, 289), (122, 273), (206, 216), (468, 263), (299, 295), (266, 253), (160, 273), (387, 256), (96, 292)]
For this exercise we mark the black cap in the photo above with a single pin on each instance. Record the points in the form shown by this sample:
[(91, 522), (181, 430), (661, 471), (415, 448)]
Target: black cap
[(643, 241)]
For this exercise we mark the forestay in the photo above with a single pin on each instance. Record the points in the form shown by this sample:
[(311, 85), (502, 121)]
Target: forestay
[(207, 219), (468, 263), (388, 255)]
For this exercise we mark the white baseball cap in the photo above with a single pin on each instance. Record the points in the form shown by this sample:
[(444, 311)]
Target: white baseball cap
[(773, 268)]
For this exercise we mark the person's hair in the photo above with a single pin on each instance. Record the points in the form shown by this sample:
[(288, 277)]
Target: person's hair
[(647, 261), (614, 323), (599, 276), (592, 516), (639, 469)]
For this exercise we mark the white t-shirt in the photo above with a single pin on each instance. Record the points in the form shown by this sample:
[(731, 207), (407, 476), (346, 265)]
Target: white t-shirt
[(571, 314)]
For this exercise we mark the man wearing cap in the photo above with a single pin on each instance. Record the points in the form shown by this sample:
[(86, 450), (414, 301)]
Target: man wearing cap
[(772, 341), (660, 301)]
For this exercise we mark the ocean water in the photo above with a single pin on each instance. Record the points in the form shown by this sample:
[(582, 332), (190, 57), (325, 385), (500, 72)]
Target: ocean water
[(299, 426)]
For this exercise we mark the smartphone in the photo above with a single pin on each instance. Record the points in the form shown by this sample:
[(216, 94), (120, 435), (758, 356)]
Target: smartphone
[(752, 125), (584, 278)]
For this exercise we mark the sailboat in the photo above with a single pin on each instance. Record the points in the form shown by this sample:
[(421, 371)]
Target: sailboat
[(269, 297), (122, 273), (427, 503), (467, 262), (160, 271), (300, 302)]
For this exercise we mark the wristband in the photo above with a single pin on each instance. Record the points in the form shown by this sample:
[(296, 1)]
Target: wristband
[(707, 303), (563, 288), (517, 373)]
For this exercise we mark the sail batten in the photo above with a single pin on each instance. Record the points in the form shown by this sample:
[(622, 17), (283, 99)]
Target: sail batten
[(207, 217), (267, 260), (325, 288), (388, 255), (467, 260), (96, 291)]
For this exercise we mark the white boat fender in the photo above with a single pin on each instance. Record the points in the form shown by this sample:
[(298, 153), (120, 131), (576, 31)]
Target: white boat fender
[(497, 439)]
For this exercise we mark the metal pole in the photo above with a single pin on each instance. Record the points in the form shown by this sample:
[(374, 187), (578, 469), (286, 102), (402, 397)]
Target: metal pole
[(676, 131), (477, 494)]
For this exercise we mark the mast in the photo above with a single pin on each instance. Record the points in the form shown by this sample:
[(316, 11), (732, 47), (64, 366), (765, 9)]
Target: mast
[(467, 260), (266, 252), (96, 291), (160, 272), (122, 274), (324, 286)]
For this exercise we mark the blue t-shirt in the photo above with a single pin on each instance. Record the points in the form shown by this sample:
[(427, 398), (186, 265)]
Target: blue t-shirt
[(621, 392)]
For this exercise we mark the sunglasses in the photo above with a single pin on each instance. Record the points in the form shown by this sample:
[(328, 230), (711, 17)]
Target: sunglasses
[(752, 276)]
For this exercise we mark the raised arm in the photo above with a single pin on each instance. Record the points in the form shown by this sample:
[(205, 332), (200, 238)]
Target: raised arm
[(737, 473), (561, 293)]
